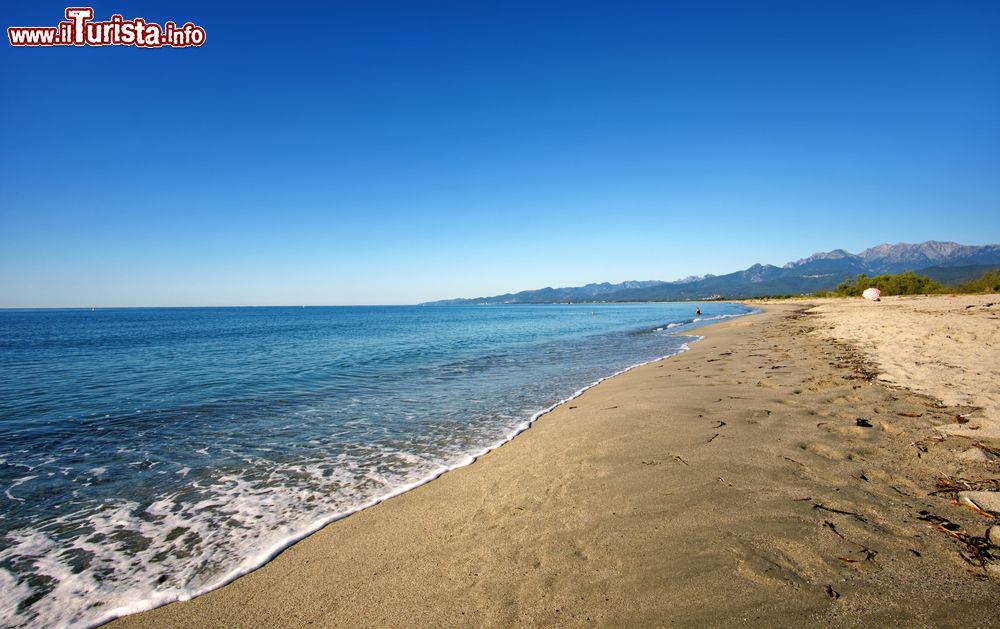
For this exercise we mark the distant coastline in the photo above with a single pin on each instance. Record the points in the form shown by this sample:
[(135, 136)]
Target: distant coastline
[(946, 262)]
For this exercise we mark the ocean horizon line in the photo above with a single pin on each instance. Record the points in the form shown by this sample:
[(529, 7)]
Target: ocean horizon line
[(413, 305)]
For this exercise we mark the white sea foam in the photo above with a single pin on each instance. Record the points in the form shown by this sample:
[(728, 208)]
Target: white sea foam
[(13, 485)]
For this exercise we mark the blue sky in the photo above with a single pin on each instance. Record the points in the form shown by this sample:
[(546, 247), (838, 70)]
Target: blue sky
[(370, 152)]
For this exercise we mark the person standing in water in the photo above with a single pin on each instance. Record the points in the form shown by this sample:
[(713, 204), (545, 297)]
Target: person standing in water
[(697, 312)]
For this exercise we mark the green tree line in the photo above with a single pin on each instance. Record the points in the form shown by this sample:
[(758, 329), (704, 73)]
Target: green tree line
[(910, 283)]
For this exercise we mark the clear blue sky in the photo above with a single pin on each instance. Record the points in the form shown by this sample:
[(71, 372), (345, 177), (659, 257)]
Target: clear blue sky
[(370, 152)]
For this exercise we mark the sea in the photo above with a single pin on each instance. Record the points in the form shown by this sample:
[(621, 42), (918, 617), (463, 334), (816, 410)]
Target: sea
[(150, 455)]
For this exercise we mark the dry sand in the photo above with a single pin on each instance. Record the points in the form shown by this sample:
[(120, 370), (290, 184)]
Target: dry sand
[(736, 483), (947, 347)]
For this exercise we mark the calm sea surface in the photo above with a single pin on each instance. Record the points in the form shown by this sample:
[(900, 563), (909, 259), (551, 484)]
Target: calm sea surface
[(148, 455)]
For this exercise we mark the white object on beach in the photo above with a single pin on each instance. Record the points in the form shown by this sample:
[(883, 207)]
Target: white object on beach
[(872, 293), (983, 500)]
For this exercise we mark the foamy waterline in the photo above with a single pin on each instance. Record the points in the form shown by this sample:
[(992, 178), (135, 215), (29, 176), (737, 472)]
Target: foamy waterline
[(258, 560)]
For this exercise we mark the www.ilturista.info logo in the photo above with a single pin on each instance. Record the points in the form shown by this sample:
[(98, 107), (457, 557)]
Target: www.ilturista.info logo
[(79, 29)]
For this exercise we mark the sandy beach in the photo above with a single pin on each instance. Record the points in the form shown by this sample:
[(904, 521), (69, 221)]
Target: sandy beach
[(777, 474), (946, 347)]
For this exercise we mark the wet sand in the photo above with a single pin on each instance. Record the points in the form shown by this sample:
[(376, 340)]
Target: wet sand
[(766, 477)]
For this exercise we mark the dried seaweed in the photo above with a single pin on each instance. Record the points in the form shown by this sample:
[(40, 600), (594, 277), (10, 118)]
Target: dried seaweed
[(948, 485), (978, 550), (860, 367)]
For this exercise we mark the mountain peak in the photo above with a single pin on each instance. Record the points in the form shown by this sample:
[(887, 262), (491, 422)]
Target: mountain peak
[(932, 249), (836, 254), (820, 271), (886, 258)]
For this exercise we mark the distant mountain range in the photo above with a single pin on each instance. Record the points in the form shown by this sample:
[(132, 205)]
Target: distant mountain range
[(947, 262)]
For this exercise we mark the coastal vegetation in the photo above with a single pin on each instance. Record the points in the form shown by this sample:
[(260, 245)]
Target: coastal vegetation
[(988, 283), (909, 283)]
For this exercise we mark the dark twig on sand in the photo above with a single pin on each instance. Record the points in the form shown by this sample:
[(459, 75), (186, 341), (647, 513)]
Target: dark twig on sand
[(868, 552), (820, 505)]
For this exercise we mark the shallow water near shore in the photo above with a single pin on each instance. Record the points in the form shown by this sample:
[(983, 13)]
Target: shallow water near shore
[(152, 454)]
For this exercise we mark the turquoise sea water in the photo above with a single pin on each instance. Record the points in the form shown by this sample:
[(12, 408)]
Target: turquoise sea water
[(148, 455)]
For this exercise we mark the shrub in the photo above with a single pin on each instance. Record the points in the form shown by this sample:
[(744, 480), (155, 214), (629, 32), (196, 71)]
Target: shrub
[(988, 283), (908, 283)]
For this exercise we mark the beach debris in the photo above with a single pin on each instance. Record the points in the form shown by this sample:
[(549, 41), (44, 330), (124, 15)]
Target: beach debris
[(860, 366), (985, 501), (937, 520), (864, 423), (924, 443), (833, 527), (902, 414), (872, 294), (977, 548), (869, 554), (680, 459), (721, 423), (947, 484), (832, 593), (712, 438), (823, 507)]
